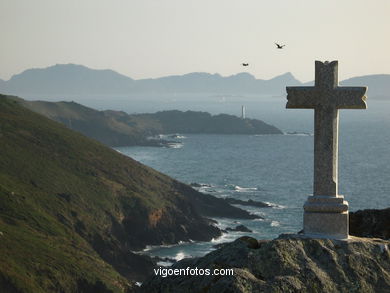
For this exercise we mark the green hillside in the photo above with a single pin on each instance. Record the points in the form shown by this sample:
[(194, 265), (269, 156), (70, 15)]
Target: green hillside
[(117, 128), (113, 128), (175, 121), (71, 209)]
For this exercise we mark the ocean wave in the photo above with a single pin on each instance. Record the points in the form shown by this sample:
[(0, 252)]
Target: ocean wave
[(275, 205), (204, 187), (239, 188), (244, 189), (223, 223), (158, 136), (164, 263), (174, 145), (152, 247), (176, 136), (251, 210), (199, 185), (225, 237), (181, 255), (267, 134), (166, 137), (207, 190), (275, 224)]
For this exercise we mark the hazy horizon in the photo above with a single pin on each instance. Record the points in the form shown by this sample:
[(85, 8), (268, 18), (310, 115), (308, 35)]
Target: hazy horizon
[(151, 39), (211, 73)]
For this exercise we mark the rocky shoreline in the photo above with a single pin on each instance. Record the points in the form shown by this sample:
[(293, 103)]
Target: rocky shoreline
[(373, 224), (287, 264)]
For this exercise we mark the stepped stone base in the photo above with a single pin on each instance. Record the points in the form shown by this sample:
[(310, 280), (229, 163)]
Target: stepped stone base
[(326, 217)]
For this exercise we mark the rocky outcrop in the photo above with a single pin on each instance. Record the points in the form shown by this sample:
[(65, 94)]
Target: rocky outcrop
[(370, 223), (239, 228), (286, 264), (248, 202), (211, 206)]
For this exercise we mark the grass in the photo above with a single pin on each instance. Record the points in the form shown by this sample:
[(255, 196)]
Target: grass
[(71, 208)]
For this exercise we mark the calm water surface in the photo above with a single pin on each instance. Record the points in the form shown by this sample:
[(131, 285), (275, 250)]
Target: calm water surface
[(278, 169)]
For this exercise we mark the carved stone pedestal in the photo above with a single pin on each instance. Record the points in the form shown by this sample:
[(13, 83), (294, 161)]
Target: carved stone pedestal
[(326, 217)]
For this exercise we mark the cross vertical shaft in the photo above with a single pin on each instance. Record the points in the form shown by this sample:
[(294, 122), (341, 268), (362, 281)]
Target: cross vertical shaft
[(325, 151)]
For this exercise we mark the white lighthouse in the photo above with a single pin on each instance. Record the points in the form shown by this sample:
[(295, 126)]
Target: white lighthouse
[(242, 112)]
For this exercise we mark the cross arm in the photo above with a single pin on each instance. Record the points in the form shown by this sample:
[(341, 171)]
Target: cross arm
[(300, 97), (350, 97)]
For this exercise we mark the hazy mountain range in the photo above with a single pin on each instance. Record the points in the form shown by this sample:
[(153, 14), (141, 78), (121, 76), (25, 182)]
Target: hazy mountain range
[(71, 79)]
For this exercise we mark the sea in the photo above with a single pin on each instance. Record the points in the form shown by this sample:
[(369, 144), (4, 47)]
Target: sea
[(276, 169)]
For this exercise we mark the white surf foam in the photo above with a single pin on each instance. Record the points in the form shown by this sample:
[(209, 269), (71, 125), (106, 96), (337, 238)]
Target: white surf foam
[(244, 189)]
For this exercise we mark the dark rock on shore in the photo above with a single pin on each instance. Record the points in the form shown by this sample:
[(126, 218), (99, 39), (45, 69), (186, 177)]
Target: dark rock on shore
[(239, 228), (198, 185), (370, 223), (287, 264), (157, 259), (248, 202), (128, 264), (211, 206)]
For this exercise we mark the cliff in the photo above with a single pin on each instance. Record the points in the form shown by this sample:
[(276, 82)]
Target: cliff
[(286, 264), (72, 209)]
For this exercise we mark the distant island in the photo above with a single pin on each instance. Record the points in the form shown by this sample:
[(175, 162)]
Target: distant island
[(72, 80), (117, 128)]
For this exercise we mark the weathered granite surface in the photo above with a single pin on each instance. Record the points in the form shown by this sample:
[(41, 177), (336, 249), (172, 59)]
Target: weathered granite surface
[(287, 264), (326, 98)]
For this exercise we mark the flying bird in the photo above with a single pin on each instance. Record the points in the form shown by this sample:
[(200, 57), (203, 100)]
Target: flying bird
[(245, 64), (279, 46)]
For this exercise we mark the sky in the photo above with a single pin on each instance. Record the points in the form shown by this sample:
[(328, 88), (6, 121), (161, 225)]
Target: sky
[(154, 38)]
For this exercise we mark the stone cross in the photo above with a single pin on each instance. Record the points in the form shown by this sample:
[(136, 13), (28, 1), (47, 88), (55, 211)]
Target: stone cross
[(326, 212)]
